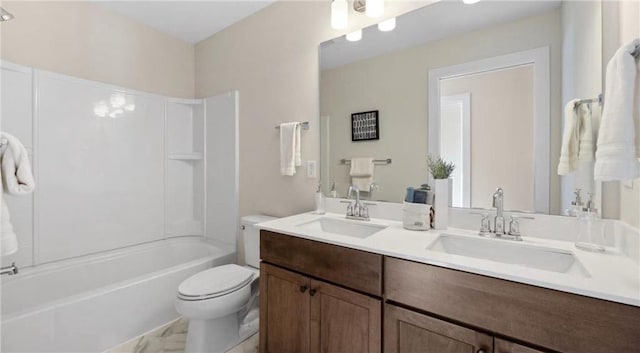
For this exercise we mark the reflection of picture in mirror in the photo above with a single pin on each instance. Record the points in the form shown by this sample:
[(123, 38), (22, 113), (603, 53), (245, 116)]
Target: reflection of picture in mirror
[(364, 126)]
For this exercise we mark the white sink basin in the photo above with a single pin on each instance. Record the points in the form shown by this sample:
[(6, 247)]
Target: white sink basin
[(351, 228), (510, 252)]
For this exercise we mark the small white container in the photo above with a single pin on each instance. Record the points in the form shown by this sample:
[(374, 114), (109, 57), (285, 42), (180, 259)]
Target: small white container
[(442, 190), (319, 203), (416, 216)]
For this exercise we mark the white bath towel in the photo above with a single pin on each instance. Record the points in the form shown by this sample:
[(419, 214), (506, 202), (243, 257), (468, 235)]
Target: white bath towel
[(16, 169), (616, 155), (289, 148), (8, 239), (569, 148), (362, 173), (589, 115)]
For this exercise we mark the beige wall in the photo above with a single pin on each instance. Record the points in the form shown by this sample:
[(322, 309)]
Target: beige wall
[(501, 134), (84, 40), (271, 58), (403, 90)]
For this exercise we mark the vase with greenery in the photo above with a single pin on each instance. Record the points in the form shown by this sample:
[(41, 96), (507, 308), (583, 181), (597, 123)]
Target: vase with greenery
[(441, 170)]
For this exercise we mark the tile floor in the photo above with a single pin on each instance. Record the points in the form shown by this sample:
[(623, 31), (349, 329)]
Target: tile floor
[(171, 338)]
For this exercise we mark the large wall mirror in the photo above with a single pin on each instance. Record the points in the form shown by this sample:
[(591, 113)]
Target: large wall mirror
[(481, 85)]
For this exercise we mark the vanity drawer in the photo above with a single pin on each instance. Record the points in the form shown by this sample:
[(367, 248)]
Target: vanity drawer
[(556, 320), (351, 268)]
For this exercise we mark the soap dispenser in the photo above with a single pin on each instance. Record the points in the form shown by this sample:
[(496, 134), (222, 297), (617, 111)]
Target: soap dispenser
[(319, 201), (590, 230)]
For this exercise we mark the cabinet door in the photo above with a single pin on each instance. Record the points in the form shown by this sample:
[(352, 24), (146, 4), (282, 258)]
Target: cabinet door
[(344, 321), (284, 311), (504, 346), (410, 332)]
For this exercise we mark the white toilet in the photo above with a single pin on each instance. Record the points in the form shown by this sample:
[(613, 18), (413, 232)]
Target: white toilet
[(221, 303)]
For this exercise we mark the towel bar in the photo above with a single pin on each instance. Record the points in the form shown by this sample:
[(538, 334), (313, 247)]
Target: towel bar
[(304, 124), (375, 161), (598, 100)]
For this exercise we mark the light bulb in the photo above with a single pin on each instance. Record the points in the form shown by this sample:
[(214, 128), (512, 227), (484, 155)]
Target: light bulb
[(354, 36), (388, 25), (469, 2), (339, 14), (375, 8)]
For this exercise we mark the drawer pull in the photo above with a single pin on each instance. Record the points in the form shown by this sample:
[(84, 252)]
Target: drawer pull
[(304, 288), (312, 292)]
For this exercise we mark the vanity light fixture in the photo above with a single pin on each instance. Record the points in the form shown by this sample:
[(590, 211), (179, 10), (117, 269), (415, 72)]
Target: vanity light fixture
[(354, 36), (5, 15), (374, 8), (339, 14), (469, 2), (340, 11), (387, 25)]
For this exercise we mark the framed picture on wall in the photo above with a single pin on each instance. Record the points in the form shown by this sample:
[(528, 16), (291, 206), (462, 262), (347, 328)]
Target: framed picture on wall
[(364, 126)]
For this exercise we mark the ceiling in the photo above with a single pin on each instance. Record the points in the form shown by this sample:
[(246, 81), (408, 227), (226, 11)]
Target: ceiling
[(433, 22), (191, 21)]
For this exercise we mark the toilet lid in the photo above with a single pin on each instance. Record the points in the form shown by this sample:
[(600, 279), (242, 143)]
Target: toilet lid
[(217, 280)]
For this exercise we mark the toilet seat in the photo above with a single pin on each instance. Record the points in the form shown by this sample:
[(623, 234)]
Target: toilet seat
[(215, 282)]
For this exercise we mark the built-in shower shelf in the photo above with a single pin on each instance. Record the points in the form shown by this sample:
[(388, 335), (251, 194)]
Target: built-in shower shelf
[(194, 156)]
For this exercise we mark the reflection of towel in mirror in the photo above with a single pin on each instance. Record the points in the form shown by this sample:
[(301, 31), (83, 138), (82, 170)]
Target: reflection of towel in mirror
[(616, 155), (569, 149), (362, 173), (589, 120), (289, 148)]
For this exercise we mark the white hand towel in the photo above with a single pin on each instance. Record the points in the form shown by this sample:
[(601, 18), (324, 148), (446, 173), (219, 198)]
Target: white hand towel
[(569, 148), (16, 169), (616, 157), (289, 148), (590, 118), (362, 173)]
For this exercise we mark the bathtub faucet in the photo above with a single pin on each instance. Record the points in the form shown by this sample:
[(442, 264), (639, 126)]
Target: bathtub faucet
[(9, 270)]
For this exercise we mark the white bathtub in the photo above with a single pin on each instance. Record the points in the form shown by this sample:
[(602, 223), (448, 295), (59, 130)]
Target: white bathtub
[(92, 303)]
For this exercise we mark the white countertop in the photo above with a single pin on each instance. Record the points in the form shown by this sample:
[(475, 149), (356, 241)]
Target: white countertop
[(611, 275)]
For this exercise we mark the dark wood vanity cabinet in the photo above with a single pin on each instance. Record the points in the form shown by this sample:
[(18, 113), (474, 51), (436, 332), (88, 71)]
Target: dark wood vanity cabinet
[(557, 321), (409, 331), (316, 297), (285, 315), (300, 313)]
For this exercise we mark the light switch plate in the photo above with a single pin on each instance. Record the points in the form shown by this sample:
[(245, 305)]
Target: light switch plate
[(312, 169)]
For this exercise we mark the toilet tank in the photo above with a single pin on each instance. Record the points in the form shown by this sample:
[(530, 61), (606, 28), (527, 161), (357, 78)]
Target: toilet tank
[(252, 238)]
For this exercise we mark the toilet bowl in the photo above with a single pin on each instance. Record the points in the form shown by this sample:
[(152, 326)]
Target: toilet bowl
[(221, 303)]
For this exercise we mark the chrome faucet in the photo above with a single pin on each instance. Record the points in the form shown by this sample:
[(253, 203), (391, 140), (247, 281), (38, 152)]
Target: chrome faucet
[(358, 210), (9, 270), (498, 203)]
